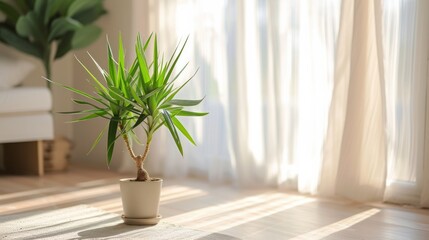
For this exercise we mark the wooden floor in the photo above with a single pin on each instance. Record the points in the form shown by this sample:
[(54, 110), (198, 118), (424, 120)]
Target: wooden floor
[(245, 214)]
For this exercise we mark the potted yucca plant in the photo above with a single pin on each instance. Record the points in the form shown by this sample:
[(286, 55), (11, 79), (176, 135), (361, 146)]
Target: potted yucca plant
[(142, 95)]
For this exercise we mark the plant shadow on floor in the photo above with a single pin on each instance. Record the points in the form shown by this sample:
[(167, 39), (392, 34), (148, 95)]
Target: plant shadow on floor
[(110, 231), (160, 231)]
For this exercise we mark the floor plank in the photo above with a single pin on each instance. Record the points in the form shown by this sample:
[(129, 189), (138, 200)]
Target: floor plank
[(246, 214)]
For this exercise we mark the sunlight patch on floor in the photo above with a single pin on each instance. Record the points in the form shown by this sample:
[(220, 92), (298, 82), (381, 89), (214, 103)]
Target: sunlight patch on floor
[(29, 193), (238, 212), (176, 193), (97, 182), (323, 232), (111, 205), (55, 199), (53, 189)]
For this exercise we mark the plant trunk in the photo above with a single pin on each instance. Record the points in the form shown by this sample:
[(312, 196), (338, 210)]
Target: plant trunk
[(47, 65), (142, 174)]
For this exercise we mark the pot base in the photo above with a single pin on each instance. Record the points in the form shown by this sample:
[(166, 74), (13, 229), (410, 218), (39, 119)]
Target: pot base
[(141, 221)]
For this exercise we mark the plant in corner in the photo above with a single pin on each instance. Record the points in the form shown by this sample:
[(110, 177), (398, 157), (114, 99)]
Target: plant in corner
[(35, 27), (140, 95)]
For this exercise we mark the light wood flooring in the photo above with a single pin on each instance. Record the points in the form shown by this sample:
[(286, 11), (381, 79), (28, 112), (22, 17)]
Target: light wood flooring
[(246, 214)]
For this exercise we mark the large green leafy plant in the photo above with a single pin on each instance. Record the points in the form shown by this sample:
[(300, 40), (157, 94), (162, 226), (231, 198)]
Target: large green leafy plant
[(140, 95), (34, 27)]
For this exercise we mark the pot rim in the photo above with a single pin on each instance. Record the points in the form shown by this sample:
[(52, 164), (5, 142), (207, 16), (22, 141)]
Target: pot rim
[(132, 180)]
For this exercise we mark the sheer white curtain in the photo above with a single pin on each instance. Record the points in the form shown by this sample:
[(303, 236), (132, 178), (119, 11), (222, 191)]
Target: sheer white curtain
[(263, 65), (405, 46), (354, 162), (322, 96)]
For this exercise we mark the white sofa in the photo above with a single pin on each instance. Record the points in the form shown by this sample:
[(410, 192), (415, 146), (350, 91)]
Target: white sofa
[(25, 120), (25, 114), (25, 117)]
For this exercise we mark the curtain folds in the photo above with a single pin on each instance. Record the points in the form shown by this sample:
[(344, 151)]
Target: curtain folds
[(405, 46), (322, 96), (359, 160)]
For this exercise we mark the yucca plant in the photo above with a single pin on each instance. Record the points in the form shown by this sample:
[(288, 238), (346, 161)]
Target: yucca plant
[(140, 95), (35, 27)]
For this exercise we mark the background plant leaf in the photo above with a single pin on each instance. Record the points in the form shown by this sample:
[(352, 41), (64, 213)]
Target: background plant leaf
[(44, 24), (30, 26), (20, 43), (81, 5), (84, 36), (62, 25), (11, 13), (90, 15), (64, 45)]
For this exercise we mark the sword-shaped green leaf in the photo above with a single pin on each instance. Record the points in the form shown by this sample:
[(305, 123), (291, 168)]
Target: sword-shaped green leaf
[(90, 116), (155, 61), (96, 141), (182, 129), (144, 70), (112, 67), (191, 114), (77, 91), (99, 84), (111, 137), (173, 94), (169, 123), (184, 102), (140, 119), (175, 61)]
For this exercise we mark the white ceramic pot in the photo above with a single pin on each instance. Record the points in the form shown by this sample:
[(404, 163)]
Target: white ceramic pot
[(140, 201)]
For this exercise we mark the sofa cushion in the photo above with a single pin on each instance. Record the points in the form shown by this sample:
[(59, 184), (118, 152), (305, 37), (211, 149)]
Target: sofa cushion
[(13, 71), (25, 100), (26, 128)]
